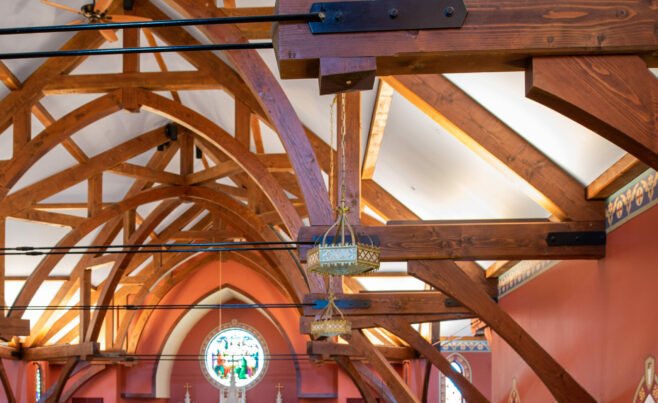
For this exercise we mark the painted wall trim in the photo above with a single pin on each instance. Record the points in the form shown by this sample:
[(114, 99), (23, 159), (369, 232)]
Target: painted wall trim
[(635, 198)]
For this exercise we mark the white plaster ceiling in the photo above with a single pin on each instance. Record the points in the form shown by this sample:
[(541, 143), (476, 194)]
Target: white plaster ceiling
[(420, 163)]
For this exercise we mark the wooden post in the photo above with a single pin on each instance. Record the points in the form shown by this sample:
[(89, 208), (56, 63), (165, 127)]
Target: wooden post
[(85, 303), (186, 153), (94, 195), (129, 225), (349, 108), (447, 277), (22, 127)]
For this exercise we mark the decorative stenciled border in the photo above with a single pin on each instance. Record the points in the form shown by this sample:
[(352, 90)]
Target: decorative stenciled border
[(465, 346), (633, 199), (521, 274)]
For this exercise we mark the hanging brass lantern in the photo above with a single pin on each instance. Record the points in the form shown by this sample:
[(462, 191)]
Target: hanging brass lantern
[(342, 254), (325, 325)]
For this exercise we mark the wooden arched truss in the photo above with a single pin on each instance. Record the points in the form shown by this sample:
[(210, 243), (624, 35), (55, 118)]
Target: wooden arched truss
[(260, 206)]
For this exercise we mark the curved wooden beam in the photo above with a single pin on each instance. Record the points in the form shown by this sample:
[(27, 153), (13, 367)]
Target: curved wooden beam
[(92, 371), (259, 78), (229, 206), (229, 145), (614, 96), (54, 135), (346, 364), (403, 329), (400, 390), (159, 214), (445, 276), (58, 387), (48, 263)]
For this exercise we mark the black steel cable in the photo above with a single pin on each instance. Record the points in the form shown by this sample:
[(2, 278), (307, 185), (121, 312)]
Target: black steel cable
[(130, 307), (157, 245), (308, 17), (146, 250), (153, 49)]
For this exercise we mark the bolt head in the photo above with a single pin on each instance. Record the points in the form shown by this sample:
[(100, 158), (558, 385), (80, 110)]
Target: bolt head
[(393, 13), (449, 11)]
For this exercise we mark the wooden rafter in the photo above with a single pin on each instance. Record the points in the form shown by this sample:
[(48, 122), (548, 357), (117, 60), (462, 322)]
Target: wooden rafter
[(377, 127)]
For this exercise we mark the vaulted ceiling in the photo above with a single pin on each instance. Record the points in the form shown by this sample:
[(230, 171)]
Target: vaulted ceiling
[(82, 165)]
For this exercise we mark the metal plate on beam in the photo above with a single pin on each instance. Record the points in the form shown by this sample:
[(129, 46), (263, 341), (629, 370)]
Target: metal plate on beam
[(343, 304), (576, 238), (387, 15)]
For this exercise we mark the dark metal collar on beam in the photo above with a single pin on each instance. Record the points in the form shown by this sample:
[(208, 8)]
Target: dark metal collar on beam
[(308, 17), (154, 49)]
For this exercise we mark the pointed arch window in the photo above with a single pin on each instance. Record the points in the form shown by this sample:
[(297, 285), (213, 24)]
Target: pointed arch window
[(38, 381), (448, 392)]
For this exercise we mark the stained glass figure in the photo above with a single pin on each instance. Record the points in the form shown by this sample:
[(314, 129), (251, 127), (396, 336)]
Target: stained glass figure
[(234, 350)]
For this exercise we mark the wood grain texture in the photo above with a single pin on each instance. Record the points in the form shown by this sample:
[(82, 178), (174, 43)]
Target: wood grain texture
[(391, 353), (401, 328), (480, 241), (350, 179), (614, 96), (376, 383), (398, 387), (447, 277), (377, 127), (496, 36), (499, 145), (260, 80), (616, 177), (346, 74)]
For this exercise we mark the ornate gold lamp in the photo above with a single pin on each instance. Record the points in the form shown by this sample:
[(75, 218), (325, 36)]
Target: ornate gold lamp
[(325, 325), (342, 254)]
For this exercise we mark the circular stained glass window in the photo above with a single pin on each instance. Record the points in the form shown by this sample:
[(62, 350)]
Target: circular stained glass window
[(236, 351)]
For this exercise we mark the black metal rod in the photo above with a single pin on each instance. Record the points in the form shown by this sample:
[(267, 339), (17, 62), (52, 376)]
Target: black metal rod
[(137, 251), (120, 51), (308, 17), (156, 245), (130, 307)]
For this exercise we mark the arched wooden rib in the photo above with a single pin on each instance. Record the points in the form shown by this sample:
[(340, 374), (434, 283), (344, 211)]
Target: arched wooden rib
[(259, 78), (239, 153), (346, 364), (161, 291), (92, 371), (159, 214), (49, 262), (55, 183), (55, 134), (446, 276), (403, 329), (58, 387), (230, 207), (104, 237)]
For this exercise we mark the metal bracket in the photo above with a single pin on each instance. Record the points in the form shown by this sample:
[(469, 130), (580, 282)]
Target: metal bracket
[(387, 15), (343, 303), (576, 238)]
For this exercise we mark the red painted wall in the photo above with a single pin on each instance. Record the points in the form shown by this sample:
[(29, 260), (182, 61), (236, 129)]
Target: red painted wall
[(278, 371), (599, 319)]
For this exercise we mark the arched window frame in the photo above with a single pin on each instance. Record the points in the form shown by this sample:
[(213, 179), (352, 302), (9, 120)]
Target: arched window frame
[(466, 367), (38, 381)]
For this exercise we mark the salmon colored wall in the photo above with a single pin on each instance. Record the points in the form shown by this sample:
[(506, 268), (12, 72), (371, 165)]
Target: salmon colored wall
[(278, 371), (599, 319)]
